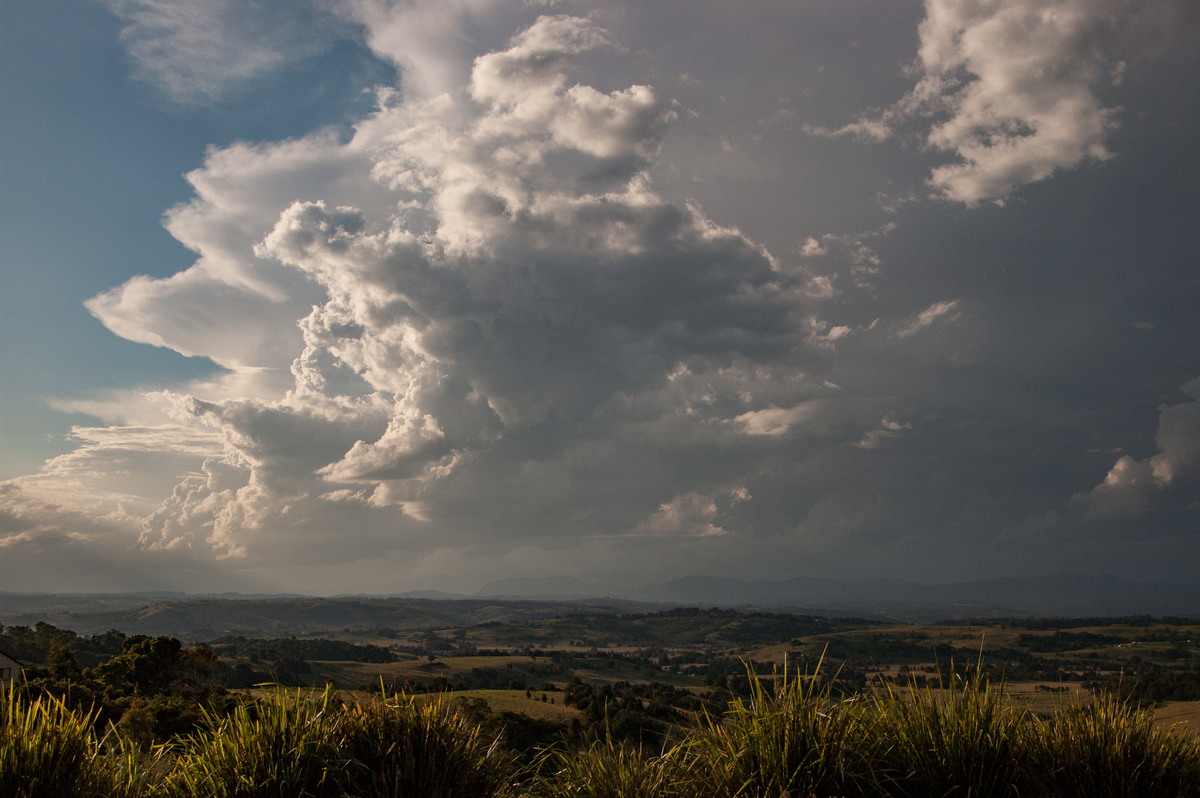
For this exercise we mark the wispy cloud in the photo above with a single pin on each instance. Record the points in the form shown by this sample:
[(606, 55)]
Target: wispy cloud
[(888, 428), (938, 312), (198, 52), (777, 420)]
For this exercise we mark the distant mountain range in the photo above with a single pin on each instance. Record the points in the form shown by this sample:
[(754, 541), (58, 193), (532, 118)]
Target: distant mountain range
[(196, 618), (1064, 595), (210, 616)]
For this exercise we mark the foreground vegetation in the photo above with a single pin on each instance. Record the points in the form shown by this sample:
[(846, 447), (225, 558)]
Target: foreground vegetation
[(791, 736), (685, 702)]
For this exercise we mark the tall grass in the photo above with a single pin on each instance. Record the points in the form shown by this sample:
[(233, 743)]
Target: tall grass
[(134, 771), (791, 738), (290, 746), (961, 738), (608, 769), (402, 745), (277, 747), (1110, 749), (49, 750)]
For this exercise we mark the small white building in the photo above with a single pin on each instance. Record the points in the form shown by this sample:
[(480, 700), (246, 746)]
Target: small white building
[(10, 669)]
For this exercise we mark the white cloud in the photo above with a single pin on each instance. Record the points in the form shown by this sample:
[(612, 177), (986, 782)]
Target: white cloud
[(850, 254), (1131, 485), (42, 525), (121, 469), (821, 337), (1018, 81), (428, 39), (46, 545), (777, 420), (491, 330), (689, 515), (1012, 90), (466, 294), (1125, 492), (1178, 439), (230, 307), (864, 129), (812, 248), (939, 312), (138, 407), (888, 428)]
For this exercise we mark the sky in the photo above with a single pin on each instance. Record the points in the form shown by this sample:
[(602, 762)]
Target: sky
[(370, 296)]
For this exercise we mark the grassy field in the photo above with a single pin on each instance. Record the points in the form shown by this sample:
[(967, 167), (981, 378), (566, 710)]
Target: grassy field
[(534, 671), (1180, 716), (517, 701)]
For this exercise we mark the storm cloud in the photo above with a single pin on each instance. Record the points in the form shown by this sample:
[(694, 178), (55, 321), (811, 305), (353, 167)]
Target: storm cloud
[(496, 328)]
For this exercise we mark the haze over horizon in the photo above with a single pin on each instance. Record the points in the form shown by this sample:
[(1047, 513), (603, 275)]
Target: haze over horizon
[(376, 296)]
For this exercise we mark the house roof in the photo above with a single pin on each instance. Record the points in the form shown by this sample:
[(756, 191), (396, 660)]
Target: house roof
[(6, 655)]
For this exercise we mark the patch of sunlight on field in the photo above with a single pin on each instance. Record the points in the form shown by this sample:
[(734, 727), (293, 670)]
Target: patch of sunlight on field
[(1180, 715), (354, 674), (1046, 698), (516, 701)]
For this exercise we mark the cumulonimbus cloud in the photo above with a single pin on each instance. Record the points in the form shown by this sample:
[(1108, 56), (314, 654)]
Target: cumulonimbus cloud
[(469, 277), (478, 322), (488, 328)]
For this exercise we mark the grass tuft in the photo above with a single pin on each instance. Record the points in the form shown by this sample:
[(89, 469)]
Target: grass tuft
[(49, 750), (277, 747), (792, 737), (1111, 749), (960, 738), (402, 745), (608, 769)]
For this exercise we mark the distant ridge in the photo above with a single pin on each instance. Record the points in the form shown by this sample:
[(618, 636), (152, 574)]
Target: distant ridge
[(549, 587), (1064, 595), (204, 618), (210, 616)]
